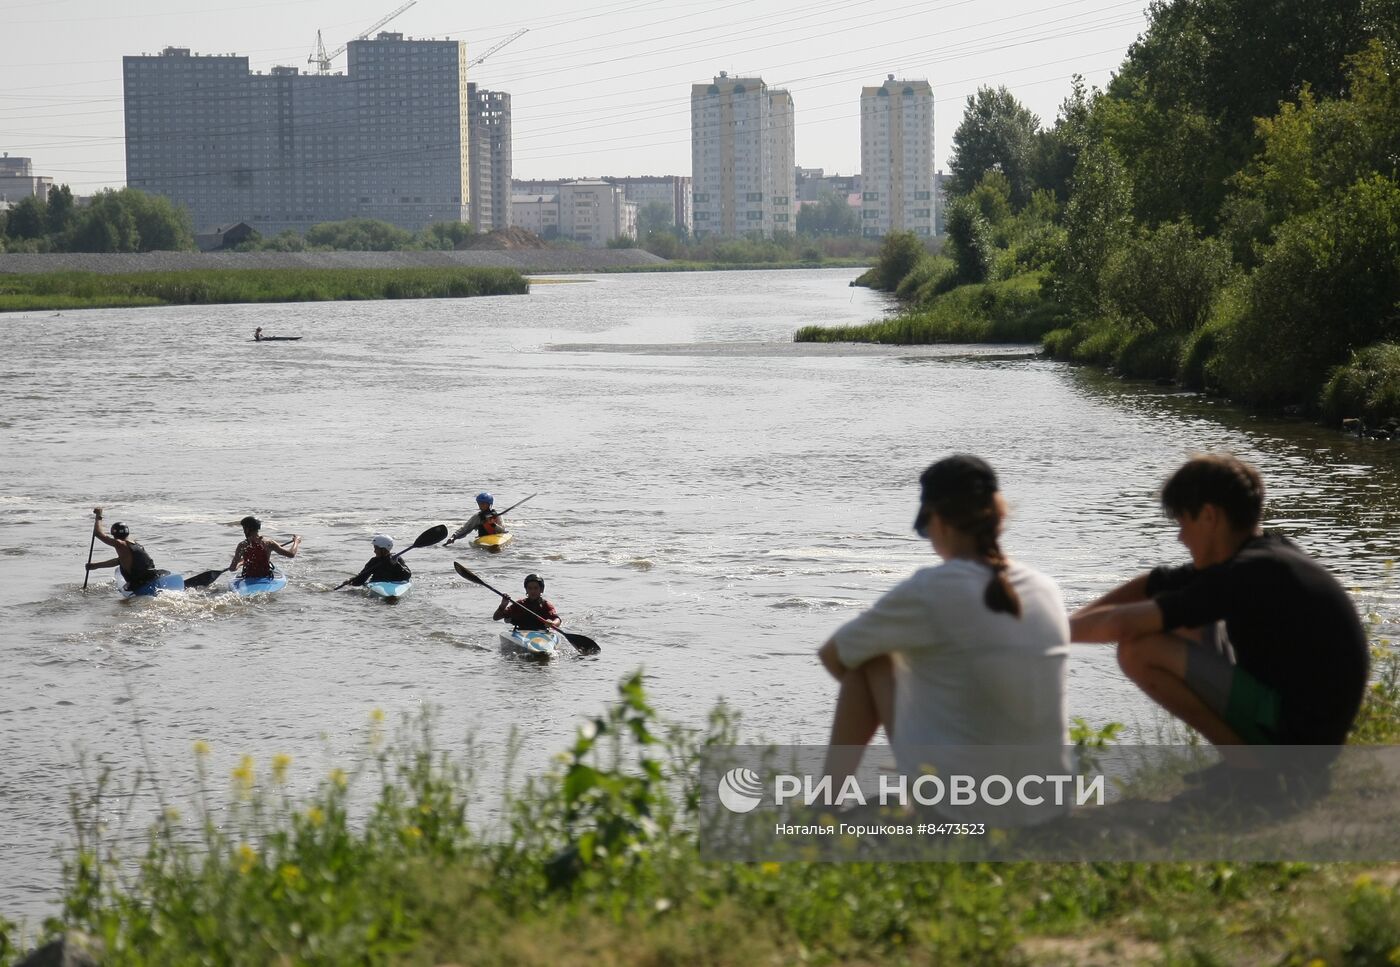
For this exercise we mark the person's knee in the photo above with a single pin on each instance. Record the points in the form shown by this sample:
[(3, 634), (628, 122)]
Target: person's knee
[(1134, 657)]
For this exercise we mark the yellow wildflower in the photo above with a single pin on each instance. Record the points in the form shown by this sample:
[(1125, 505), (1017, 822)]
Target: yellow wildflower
[(247, 858), (1363, 880), (412, 832), (315, 817), (377, 716), (172, 815), (339, 779), (291, 875), (201, 748), (280, 762), (243, 776), (771, 869)]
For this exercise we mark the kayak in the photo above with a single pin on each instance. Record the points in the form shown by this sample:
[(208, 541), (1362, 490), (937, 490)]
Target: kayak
[(246, 587), (388, 590), (164, 581), (277, 339), (533, 644), (493, 542)]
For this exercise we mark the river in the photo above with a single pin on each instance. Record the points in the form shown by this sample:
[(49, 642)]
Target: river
[(712, 501)]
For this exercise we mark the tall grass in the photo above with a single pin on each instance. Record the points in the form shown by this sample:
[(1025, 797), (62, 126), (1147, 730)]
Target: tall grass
[(72, 290), (597, 863)]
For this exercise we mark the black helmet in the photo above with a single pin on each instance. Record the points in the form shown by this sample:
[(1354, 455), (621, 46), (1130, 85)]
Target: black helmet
[(120, 530), (536, 578), (251, 523)]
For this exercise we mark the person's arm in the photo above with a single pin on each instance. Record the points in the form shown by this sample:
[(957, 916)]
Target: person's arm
[(99, 565), (100, 534), (502, 608), (238, 555), (472, 523), (1126, 593), (1115, 622), (359, 579), (550, 614), (290, 550)]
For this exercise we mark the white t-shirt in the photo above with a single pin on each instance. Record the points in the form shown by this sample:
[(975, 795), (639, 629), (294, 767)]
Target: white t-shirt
[(968, 676)]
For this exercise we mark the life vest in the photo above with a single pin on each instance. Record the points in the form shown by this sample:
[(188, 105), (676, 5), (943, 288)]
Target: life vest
[(257, 561), (490, 524), (143, 569), (518, 616)]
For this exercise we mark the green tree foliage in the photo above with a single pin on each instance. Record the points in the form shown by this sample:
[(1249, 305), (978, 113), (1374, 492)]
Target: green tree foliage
[(1166, 280), (830, 216), (899, 253), (1367, 387), (997, 133), (60, 213), (1097, 222), (444, 236), (107, 224), (358, 235), (27, 219), (969, 241), (992, 197), (1328, 286), (654, 217)]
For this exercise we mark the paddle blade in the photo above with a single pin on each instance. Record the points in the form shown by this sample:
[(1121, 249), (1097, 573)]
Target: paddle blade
[(584, 644), (470, 576), (204, 578), (433, 535)]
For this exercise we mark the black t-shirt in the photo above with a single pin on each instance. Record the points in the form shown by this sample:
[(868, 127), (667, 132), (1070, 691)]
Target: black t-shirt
[(382, 569), (1292, 626)]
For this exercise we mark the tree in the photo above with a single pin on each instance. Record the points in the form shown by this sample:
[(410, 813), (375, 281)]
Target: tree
[(1166, 280), (59, 215), (28, 219), (830, 216), (969, 241), (997, 133), (445, 236), (654, 217), (1098, 221), (105, 225), (899, 253), (358, 235)]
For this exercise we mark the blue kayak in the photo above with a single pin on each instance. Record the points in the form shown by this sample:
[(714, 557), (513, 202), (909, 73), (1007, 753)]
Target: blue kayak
[(388, 590), (246, 587), (531, 644), (165, 581)]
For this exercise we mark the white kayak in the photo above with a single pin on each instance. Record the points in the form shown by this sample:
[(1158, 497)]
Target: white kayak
[(534, 644), (389, 590)]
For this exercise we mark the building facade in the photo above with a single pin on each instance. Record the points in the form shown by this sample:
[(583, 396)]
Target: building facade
[(386, 140), (673, 191), (742, 165), (538, 213), (594, 212), (488, 123), (18, 181), (896, 158)]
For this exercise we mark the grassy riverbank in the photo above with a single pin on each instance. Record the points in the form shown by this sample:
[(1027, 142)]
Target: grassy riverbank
[(89, 290), (597, 863)]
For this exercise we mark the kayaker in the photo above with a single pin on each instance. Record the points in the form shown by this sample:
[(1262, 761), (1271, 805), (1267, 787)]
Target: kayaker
[(136, 565), (526, 613), (254, 552), (970, 652), (1253, 641), (485, 521), (257, 334), (384, 566)]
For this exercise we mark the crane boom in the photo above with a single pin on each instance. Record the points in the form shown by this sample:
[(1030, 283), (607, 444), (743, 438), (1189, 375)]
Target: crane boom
[(491, 50), (322, 60)]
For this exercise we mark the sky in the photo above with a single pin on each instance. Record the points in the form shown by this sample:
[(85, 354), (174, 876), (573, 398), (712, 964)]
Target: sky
[(596, 88)]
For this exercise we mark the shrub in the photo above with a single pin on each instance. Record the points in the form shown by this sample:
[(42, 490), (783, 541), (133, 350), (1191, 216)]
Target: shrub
[(1367, 387), (1166, 280)]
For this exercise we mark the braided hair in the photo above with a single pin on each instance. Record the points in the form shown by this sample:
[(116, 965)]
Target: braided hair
[(963, 491)]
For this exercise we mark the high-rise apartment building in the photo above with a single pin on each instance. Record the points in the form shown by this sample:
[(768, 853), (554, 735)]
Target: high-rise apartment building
[(741, 150), (488, 120), (896, 158), (386, 140)]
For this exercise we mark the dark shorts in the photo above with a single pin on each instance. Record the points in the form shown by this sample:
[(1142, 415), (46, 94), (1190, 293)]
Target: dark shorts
[(1251, 708)]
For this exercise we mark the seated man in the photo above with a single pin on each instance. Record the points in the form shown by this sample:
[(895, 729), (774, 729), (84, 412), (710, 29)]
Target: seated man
[(530, 613), (384, 566), (1253, 641)]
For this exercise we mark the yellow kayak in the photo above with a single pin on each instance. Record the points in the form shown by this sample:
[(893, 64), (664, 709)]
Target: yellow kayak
[(493, 542)]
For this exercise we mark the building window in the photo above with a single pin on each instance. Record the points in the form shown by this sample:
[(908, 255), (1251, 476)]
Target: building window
[(755, 216), (870, 213), (922, 195), (754, 196), (870, 196), (921, 213)]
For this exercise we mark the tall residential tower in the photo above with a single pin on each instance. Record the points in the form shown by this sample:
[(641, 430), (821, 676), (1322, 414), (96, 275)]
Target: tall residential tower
[(386, 140), (896, 158), (742, 165)]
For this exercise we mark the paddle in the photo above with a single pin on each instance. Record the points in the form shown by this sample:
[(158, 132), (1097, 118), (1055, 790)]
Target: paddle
[(504, 512), (96, 513), (584, 644), (430, 536)]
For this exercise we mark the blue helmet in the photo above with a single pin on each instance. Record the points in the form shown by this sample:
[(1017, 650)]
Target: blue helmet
[(485, 498)]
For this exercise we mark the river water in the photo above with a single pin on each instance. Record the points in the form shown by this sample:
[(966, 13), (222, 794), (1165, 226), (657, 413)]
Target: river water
[(712, 501)]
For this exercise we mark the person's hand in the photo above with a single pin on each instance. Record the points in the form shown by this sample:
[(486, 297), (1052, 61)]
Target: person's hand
[(450, 542), (97, 512)]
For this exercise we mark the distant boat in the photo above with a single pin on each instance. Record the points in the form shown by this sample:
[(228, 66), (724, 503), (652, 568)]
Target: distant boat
[(259, 337)]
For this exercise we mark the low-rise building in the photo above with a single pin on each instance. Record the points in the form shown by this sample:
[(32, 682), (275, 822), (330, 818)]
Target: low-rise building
[(538, 213), (18, 181)]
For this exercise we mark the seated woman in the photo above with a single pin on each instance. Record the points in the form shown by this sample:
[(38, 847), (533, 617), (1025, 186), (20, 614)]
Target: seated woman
[(970, 652)]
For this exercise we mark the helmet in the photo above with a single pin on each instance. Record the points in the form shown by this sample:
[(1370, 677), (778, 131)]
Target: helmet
[(536, 578), (384, 541), (485, 498), (120, 530), (251, 523)]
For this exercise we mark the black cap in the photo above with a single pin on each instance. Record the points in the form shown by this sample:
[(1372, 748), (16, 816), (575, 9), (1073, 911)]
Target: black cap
[(120, 530), (961, 474), (251, 523), (536, 578)]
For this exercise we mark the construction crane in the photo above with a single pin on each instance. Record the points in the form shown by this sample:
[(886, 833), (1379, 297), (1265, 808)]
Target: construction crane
[(322, 60), (491, 50)]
